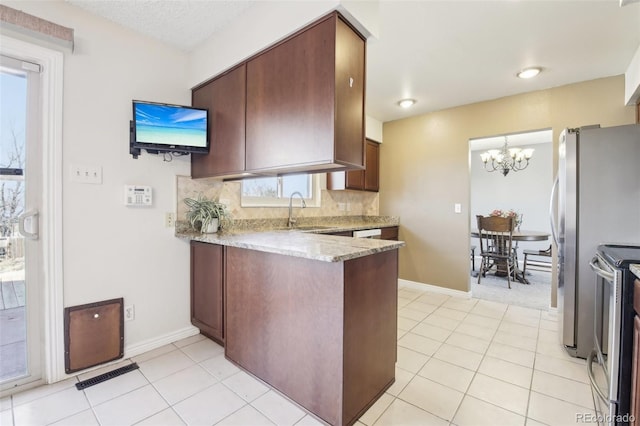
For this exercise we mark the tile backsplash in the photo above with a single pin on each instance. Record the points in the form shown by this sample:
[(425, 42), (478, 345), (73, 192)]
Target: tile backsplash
[(360, 203)]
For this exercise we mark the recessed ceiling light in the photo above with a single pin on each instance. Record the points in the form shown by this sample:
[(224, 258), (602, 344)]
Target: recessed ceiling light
[(529, 72), (406, 103)]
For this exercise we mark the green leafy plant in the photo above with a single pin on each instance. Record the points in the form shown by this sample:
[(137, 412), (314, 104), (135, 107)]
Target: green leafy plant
[(202, 211)]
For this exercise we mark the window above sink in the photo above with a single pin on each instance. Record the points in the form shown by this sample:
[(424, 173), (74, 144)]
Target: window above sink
[(275, 191)]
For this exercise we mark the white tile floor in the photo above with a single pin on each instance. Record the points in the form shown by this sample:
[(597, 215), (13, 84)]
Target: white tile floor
[(460, 362)]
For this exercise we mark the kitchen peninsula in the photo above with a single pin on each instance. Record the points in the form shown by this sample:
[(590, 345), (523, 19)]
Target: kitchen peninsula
[(312, 315)]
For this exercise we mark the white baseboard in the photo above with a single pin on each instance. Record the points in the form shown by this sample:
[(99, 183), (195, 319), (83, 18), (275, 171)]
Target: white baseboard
[(148, 345), (434, 288)]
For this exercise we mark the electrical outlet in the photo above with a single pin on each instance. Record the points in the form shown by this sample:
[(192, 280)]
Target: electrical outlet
[(169, 220), (129, 313), (457, 208)]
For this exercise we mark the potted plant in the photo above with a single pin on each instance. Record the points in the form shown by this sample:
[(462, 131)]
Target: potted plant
[(206, 215)]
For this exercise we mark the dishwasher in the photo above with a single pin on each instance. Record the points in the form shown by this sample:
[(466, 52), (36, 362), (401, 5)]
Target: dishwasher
[(368, 233)]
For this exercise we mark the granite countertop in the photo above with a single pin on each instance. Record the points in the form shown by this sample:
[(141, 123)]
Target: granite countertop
[(320, 225), (310, 243), (635, 268)]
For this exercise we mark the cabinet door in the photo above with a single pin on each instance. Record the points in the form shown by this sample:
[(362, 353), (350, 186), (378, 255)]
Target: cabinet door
[(290, 101), (225, 98), (207, 285), (635, 372), (350, 88), (355, 179), (367, 179), (371, 175), (635, 359), (390, 233)]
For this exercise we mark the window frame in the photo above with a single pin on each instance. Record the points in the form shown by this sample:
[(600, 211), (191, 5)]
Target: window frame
[(279, 200)]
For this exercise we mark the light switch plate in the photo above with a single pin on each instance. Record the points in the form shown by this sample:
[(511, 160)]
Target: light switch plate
[(86, 174)]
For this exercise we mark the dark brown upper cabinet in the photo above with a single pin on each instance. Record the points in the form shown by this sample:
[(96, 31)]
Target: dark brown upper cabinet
[(225, 98), (367, 179), (300, 107), (305, 100)]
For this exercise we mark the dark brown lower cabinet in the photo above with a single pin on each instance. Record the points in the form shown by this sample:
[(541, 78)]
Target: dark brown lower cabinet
[(390, 233), (207, 289), (635, 366), (322, 333), (342, 233)]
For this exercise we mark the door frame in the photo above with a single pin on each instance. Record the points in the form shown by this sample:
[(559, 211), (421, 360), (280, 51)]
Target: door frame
[(51, 62)]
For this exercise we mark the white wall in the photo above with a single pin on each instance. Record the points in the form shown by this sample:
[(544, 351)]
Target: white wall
[(267, 22), (632, 80), (526, 192), (110, 250), (373, 129), (258, 27)]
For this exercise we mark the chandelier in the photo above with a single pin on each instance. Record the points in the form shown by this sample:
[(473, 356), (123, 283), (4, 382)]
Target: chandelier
[(506, 159)]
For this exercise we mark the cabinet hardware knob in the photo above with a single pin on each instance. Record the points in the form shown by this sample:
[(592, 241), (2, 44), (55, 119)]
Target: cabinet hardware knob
[(350, 81), (96, 315)]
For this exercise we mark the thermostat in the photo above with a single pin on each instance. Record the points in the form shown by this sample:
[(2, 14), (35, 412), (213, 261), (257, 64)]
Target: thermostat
[(136, 195)]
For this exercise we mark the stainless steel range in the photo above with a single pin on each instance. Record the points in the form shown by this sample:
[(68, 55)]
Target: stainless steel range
[(609, 363)]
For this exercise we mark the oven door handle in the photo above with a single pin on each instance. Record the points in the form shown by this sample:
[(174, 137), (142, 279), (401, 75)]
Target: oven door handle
[(592, 377), (604, 274)]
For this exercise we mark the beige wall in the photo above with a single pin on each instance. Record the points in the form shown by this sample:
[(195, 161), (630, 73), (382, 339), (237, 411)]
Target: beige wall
[(424, 167)]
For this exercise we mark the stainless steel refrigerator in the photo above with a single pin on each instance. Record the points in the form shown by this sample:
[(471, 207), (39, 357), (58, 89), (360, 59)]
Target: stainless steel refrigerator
[(598, 202)]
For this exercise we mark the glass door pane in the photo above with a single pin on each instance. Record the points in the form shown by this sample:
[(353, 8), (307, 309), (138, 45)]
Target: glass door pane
[(13, 315)]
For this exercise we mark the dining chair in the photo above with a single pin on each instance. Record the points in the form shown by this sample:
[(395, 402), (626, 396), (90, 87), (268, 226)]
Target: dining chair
[(473, 258), (542, 264), (496, 246)]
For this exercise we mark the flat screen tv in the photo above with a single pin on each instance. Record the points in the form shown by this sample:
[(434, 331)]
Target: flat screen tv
[(170, 128)]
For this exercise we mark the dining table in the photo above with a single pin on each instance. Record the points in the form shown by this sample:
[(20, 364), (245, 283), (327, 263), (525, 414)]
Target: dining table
[(520, 235)]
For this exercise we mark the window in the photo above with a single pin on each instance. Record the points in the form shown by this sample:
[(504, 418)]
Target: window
[(276, 191)]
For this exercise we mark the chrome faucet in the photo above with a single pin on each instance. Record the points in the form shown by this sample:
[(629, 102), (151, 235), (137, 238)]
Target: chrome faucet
[(292, 221)]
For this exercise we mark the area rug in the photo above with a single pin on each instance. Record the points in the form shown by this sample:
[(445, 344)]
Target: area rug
[(535, 295)]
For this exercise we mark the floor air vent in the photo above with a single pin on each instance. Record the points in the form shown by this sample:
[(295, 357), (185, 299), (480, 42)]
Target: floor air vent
[(106, 376)]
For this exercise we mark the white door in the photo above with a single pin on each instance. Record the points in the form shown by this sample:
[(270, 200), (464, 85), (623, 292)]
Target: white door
[(21, 308)]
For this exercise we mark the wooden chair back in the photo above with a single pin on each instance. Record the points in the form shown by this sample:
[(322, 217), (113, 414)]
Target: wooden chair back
[(496, 235)]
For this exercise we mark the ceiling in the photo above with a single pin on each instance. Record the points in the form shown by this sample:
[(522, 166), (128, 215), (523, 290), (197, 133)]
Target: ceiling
[(442, 53)]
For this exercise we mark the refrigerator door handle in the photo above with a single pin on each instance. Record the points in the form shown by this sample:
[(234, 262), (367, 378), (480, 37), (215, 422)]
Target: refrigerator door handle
[(552, 220)]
